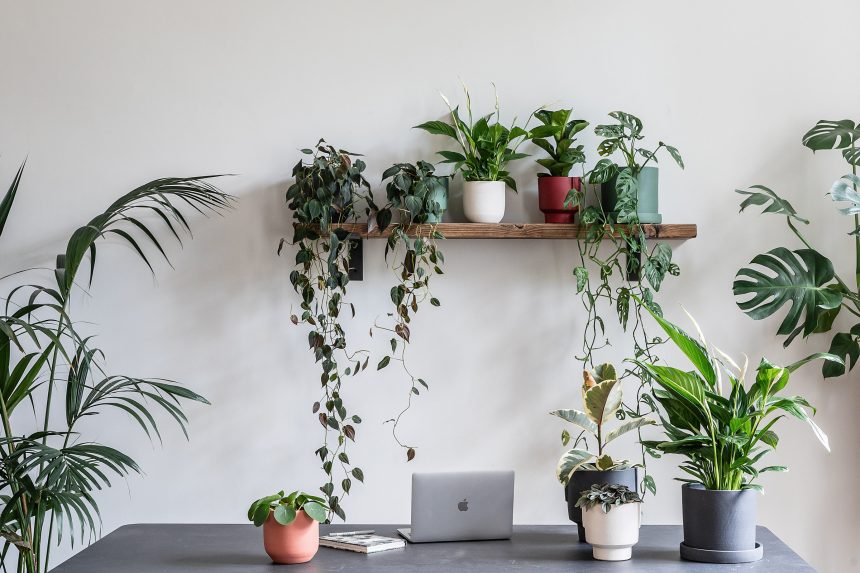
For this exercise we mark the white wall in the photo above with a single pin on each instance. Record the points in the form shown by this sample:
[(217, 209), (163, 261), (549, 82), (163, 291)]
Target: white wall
[(103, 95)]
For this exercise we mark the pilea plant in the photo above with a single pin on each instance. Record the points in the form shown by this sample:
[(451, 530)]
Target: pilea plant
[(328, 189), (804, 278), (486, 146), (607, 496), (284, 508), (601, 398), (616, 266), (417, 196), (557, 136)]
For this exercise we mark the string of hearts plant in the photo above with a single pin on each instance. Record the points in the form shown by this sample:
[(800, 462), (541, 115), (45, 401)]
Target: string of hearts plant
[(328, 188), (617, 247), (418, 197), (804, 278)]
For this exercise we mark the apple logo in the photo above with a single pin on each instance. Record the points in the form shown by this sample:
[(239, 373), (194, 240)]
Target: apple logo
[(463, 505)]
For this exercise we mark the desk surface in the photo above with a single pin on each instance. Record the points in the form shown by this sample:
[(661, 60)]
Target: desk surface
[(176, 548)]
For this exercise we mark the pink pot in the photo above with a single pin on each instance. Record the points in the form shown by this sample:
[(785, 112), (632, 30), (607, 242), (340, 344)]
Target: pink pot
[(297, 542), (552, 191)]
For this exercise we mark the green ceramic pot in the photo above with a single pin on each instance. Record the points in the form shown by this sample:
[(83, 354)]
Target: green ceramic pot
[(648, 196), (440, 196)]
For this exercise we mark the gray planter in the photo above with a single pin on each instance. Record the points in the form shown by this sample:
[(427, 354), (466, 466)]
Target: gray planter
[(648, 208), (719, 526), (583, 479)]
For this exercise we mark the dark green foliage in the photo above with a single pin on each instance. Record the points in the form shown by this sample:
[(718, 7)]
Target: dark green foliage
[(284, 508), (48, 477), (412, 193), (486, 146), (723, 434), (328, 190), (804, 279), (607, 496), (556, 137)]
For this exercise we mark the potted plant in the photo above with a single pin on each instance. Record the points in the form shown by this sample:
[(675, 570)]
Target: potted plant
[(629, 190), (723, 429), (611, 515), (329, 186), (291, 531), (579, 469), (486, 148), (419, 196), (805, 277), (557, 137)]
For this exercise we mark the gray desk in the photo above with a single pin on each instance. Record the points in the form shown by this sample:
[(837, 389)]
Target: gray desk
[(545, 548)]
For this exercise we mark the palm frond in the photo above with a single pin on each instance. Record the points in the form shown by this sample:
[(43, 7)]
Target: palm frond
[(9, 198), (162, 196)]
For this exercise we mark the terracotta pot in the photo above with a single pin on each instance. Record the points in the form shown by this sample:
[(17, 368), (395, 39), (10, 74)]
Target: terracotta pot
[(297, 542), (552, 191)]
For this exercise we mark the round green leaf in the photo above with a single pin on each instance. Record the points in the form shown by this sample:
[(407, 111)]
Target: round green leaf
[(284, 514), (315, 511)]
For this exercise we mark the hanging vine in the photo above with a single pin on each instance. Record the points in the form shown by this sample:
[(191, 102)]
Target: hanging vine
[(328, 186), (417, 196)]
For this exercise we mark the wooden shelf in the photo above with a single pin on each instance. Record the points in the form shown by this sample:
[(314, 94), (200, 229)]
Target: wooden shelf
[(519, 231)]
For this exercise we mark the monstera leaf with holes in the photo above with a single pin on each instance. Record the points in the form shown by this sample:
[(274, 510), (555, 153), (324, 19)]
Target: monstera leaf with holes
[(802, 279), (601, 398)]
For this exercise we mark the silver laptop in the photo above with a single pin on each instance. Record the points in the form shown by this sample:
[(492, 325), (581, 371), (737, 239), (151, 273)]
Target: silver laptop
[(461, 506)]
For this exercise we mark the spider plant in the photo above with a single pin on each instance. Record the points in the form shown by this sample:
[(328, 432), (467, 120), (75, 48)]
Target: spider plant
[(47, 477)]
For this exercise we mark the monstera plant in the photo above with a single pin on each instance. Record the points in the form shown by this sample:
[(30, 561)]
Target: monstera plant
[(804, 278)]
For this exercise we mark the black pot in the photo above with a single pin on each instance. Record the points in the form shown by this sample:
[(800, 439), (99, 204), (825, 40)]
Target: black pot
[(582, 480), (719, 526)]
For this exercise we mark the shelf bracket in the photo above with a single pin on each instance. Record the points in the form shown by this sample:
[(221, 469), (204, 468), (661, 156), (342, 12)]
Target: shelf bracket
[(355, 269)]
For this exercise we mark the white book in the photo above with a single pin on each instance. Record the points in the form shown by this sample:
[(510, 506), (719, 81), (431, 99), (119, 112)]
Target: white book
[(362, 543)]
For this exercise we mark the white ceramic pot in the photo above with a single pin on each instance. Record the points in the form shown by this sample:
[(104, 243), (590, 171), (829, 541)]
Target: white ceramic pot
[(612, 535), (484, 201)]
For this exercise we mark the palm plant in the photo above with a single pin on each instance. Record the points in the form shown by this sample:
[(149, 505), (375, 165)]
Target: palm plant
[(48, 477), (723, 432)]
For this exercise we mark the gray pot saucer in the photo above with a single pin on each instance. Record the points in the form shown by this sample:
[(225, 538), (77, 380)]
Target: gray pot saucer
[(716, 556)]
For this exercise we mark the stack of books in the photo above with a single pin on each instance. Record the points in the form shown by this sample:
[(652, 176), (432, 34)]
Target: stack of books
[(361, 541)]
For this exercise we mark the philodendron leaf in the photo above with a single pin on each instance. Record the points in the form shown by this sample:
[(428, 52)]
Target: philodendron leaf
[(831, 134), (570, 462), (603, 400), (845, 190), (577, 418), (799, 278), (845, 346), (774, 203), (627, 427)]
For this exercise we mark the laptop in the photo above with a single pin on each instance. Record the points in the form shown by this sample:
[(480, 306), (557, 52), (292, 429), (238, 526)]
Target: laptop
[(461, 506)]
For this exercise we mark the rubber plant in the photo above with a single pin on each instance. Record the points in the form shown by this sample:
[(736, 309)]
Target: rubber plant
[(617, 266), (49, 369), (328, 190), (804, 278), (416, 195), (602, 399)]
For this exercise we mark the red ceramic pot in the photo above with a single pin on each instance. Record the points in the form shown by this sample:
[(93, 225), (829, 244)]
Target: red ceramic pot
[(297, 542), (552, 191)]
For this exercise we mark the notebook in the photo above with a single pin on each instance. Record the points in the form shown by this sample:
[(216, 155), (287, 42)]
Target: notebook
[(362, 543)]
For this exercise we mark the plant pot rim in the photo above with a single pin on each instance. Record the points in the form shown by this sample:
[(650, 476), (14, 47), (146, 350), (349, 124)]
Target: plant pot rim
[(702, 488)]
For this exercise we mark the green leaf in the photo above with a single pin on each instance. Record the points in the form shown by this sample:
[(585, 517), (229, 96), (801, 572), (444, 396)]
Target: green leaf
[(845, 346), (799, 278), (383, 363), (581, 274), (845, 190), (438, 128), (831, 134), (315, 511), (775, 203), (9, 198), (650, 485), (358, 474), (603, 400), (626, 427), (577, 418), (284, 514), (570, 462)]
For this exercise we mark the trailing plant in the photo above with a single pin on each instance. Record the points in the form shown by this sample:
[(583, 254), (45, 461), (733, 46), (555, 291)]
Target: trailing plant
[(486, 146), (602, 398), (284, 508), (607, 496), (328, 189), (617, 267), (804, 278), (557, 136), (48, 367), (723, 429), (414, 193)]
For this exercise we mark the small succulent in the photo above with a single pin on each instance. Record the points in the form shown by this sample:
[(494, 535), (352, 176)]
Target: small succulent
[(607, 495)]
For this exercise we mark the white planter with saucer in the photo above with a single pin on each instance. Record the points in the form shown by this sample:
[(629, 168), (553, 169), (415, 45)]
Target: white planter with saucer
[(612, 535)]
